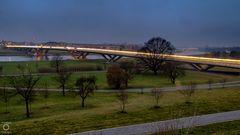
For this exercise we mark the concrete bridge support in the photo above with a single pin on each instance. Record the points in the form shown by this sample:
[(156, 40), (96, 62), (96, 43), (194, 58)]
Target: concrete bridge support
[(40, 53), (201, 67), (78, 55), (111, 58)]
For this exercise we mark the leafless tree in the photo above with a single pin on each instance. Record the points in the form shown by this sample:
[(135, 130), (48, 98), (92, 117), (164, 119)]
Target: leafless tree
[(141, 91), (25, 84), (62, 77), (173, 70), (210, 84), (223, 81), (127, 67), (122, 96), (85, 86), (157, 94), (5, 96), (57, 63), (45, 94), (115, 76), (178, 127), (157, 49), (188, 92), (1, 70)]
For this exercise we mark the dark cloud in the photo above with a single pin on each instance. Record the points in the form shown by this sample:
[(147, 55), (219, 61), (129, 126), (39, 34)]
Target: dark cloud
[(183, 22)]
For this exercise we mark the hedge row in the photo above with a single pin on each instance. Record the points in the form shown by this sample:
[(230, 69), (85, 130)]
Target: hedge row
[(73, 68)]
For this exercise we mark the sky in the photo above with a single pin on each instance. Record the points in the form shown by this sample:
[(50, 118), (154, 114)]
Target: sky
[(185, 23)]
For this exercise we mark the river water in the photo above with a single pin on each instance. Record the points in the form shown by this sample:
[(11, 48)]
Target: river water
[(68, 57), (33, 58)]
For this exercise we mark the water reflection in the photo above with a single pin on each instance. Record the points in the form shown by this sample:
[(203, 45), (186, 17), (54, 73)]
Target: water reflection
[(33, 58)]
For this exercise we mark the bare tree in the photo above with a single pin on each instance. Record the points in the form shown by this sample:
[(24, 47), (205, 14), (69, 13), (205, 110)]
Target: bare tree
[(6, 96), (45, 94), (157, 49), (115, 76), (141, 91), (1, 70), (210, 84), (157, 94), (177, 126), (118, 77), (62, 77), (128, 67), (173, 70), (188, 92), (25, 84), (86, 86), (223, 81), (57, 63), (122, 96)]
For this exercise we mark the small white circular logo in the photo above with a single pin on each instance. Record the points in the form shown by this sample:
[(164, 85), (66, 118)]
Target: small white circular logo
[(6, 127)]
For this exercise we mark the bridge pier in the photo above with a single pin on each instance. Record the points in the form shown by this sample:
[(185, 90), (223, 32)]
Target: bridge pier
[(200, 67), (78, 55), (40, 53), (111, 58)]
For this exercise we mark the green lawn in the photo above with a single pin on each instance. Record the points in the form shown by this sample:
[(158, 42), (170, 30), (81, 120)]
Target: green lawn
[(11, 67), (227, 128), (150, 80), (65, 115)]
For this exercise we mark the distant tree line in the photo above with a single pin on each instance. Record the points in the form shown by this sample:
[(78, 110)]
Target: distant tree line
[(225, 54)]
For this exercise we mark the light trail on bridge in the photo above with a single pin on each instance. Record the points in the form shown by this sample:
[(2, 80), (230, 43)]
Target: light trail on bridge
[(179, 58)]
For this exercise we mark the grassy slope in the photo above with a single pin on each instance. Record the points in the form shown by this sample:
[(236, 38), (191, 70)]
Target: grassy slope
[(227, 128), (66, 116)]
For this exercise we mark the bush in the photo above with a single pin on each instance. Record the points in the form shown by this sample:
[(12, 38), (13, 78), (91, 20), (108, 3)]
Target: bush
[(99, 67), (115, 76)]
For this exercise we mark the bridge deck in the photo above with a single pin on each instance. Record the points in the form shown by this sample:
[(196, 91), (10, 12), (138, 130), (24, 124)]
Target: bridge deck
[(188, 59)]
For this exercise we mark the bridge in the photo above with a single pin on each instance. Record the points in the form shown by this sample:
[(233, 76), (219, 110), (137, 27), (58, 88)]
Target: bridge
[(199, 63)]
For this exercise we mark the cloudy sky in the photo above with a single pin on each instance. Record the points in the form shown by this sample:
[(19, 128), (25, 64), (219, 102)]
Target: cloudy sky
[(183, 22)]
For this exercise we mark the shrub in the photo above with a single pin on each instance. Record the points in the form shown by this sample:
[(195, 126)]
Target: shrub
[(72, 68)]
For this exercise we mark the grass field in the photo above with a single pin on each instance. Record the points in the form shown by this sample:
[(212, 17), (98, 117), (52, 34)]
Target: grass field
[(11, 67), (149, 79), (65, 115), (227, 128)]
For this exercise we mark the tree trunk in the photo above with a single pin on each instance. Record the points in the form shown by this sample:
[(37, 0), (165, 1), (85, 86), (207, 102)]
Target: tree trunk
[(63, 90), (6, 107), (173, 80), (118, 86), (83, 102), (155, 72), (123, 107), (45, 102), (126, 84), (27, 108)]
